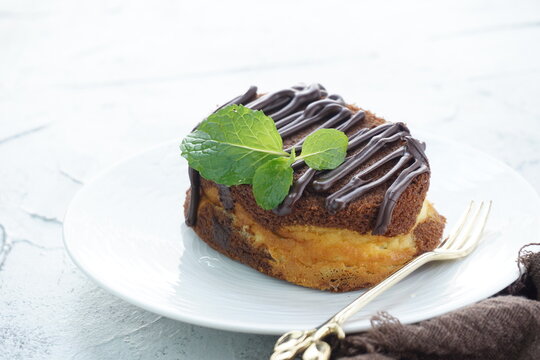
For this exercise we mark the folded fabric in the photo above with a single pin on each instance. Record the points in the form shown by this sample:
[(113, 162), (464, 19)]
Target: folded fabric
[(506, 326)]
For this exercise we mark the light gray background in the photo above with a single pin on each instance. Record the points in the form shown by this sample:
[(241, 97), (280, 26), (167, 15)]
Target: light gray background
[(85, 84)]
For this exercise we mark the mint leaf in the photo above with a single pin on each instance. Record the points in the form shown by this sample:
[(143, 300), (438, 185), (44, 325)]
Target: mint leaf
[(230, 144), (272, 181), (237, 145), (325, 149)]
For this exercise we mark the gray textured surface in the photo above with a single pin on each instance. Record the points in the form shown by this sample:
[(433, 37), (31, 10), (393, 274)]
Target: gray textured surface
[(85, 84)]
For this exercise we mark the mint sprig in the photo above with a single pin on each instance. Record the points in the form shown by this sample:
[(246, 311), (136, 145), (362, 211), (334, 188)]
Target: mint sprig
[(237, 145), (272, 181)]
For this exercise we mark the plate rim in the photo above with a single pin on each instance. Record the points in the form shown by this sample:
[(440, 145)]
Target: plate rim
[(254, 327)]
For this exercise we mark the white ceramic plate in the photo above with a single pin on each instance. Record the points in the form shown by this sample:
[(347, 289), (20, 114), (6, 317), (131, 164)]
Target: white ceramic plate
[(126, 230)]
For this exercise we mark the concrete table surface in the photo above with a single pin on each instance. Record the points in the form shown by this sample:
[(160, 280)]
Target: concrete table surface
[(85, 84)]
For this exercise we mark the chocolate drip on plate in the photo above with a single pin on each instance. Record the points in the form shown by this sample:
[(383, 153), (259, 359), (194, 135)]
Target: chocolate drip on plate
[(301, 107)]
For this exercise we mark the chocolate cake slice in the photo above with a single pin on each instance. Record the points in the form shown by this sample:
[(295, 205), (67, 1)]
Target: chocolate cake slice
[(337, 230)]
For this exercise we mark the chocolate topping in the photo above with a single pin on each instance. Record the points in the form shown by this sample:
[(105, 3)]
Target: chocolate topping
[(195, 180), (300, 108)]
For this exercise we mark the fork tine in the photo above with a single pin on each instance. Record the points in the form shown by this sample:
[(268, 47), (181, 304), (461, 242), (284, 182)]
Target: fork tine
[(457, 228), (475, 234), (467, 228)]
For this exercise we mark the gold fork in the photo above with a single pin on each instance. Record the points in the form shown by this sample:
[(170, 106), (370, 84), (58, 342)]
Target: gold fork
[(463, 240)]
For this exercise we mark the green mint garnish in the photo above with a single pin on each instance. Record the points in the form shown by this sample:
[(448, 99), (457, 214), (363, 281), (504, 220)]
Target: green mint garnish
[(325, 149), (272, 181), (230, 144), (236, 145)]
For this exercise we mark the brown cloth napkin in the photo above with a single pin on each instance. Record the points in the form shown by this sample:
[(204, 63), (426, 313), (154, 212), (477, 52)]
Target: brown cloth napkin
[(506, 326)]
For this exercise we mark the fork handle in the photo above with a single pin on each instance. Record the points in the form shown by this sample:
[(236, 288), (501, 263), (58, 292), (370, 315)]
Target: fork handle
[(312, 343), (375, 291)]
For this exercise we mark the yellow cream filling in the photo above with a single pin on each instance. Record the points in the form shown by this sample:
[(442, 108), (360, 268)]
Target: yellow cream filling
[(309, 244)]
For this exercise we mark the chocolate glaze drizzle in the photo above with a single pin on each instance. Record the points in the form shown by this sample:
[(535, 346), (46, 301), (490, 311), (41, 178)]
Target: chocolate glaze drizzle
[(301, 107)]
